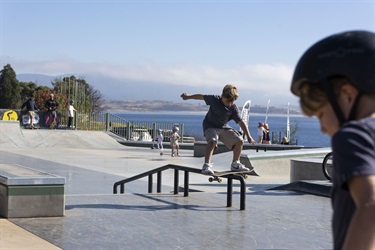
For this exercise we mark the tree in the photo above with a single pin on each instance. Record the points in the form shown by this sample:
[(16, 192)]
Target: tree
[(87, 99), (96, 98), (27, 89), (10, 89)]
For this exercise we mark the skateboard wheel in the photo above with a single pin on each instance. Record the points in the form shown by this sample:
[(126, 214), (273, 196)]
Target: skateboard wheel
[(161, 153), (219, 180), (245, 176), (210, 179)]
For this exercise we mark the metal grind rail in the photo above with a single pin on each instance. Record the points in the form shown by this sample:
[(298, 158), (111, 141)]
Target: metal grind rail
[(187, 170)]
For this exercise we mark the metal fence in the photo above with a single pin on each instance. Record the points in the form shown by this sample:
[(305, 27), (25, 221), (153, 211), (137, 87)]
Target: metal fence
[(129, 130), (141, 131)]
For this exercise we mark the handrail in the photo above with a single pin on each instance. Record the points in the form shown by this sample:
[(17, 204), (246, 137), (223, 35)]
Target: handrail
[(186, 170)]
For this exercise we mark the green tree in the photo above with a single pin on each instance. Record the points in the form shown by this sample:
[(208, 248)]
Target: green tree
[(86, 97), (10, 89), (27, 89)]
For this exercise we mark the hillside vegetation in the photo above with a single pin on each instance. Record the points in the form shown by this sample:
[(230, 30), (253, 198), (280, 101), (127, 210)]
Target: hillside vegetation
[(167, 106)]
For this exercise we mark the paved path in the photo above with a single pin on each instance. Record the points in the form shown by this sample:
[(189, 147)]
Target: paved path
[(97, 219)]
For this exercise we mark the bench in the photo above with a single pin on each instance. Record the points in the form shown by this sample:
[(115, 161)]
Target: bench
[(26, 193)]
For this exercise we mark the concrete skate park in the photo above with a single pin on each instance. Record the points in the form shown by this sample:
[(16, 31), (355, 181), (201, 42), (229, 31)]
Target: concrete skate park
[(287, 204)]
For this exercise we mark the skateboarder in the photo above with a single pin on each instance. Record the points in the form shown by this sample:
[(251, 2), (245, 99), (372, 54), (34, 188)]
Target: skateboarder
[(31, 108), (215, 126), (51, 105), (335, 81)]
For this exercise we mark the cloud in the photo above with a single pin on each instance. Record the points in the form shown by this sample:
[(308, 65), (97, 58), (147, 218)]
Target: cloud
[(263, 80)]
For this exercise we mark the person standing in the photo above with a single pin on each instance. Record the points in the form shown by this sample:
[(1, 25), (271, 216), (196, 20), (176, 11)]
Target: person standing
[(335, 81), (51, 105), (215, 126), (266, 134), (71, 111), (160, 139), (30, 108), (174, 142), (260, 131)]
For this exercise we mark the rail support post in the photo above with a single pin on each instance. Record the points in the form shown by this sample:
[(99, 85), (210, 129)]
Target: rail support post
[(186, 184), (158, 184), (150, 183), (175, 181), (229, 192)]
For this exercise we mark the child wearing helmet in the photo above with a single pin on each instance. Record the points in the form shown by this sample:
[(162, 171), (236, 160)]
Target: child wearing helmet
[(335, 81), (174, 141), (71, 111), (160, 139)]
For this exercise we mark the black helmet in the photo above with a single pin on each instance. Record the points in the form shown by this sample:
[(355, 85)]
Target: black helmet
[(350, 54)]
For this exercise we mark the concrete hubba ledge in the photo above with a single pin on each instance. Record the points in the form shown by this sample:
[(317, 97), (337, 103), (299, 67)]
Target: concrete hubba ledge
[(200, 147), (302, 164), (26, 193), (306, 169)]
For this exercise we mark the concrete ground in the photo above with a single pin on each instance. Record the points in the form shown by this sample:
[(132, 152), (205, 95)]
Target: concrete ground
[(95, 218)]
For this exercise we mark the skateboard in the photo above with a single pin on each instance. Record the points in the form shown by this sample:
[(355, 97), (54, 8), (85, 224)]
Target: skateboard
[(217, 174)]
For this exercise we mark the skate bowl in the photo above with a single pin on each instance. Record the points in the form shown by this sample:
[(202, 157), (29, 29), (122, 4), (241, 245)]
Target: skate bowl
[(13, 136)]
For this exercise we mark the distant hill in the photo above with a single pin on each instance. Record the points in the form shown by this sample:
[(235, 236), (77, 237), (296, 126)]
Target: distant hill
[(151, 105), (158, 105)]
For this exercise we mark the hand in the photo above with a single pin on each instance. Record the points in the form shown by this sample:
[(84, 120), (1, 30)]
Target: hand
[(252, 141), (184, 96)]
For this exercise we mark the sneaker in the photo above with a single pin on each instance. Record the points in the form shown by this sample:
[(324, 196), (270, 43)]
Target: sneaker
[(238, 166), (207, 169)]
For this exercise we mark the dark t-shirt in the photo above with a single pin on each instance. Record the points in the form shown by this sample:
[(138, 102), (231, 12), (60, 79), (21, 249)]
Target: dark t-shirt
[(219, 115), (51, 105), (30, 105), (354, 154)]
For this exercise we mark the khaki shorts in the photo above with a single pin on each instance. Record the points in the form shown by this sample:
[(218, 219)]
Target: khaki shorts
[(227, 136), (31, 114)]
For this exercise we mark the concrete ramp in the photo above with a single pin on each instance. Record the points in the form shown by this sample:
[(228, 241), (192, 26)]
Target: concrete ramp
[(278, 163), (13, 136)]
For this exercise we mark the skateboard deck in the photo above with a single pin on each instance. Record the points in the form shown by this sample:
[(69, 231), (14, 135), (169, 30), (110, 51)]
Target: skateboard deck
[(217, 174)]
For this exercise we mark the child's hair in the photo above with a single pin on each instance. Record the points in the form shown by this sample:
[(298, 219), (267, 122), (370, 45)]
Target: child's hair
[(313, 96), (230, 92)]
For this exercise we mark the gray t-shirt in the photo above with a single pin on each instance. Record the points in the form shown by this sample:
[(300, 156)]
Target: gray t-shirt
[(219, 115), (353, 154)]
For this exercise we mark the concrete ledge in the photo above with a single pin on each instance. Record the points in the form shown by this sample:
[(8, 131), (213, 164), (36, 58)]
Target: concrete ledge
[(306, 169), (200, 147), (25, 193), (273, 163)]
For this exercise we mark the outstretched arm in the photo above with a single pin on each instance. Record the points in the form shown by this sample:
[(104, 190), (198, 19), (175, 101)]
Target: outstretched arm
[(247, 133), (186, 96)]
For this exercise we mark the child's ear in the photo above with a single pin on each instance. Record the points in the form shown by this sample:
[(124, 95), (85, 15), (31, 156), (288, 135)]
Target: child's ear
[(350, 92)]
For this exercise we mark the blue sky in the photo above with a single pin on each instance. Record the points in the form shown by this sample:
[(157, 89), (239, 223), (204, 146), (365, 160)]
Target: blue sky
[(180, 46)]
